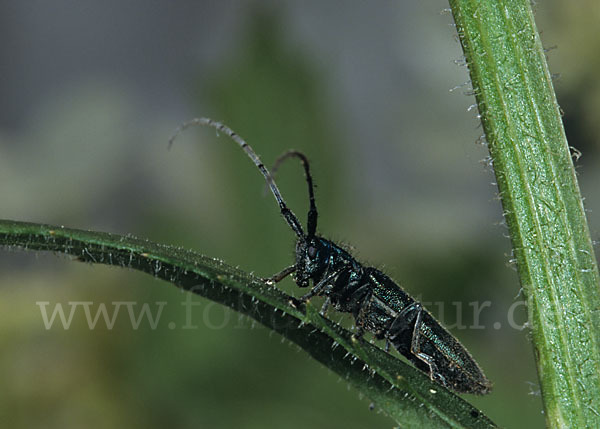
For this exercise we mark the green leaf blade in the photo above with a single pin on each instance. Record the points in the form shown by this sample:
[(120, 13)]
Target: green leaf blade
[(401, 391)]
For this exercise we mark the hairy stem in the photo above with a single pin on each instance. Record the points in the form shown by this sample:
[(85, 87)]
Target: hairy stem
[(541, 200)]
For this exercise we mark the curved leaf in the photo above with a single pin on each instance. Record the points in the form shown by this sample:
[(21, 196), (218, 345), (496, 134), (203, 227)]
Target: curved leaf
[(404, 393)]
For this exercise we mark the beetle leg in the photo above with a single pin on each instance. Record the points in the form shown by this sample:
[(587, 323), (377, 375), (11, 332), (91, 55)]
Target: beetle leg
[(415, 346), (276, 278), (318, 288), (324, 307), (413, 315)]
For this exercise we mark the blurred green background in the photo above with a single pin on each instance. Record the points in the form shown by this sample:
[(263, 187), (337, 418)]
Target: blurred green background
[(91, 92)]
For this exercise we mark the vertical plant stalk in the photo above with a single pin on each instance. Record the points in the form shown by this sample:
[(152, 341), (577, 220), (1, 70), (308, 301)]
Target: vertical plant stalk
[(541, 200)]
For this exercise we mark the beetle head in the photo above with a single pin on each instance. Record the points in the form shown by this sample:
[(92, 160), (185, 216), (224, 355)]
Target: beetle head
[(311, 259)]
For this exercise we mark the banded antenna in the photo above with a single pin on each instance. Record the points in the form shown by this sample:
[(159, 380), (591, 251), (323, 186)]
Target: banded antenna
[(311, 224), (287, 214)]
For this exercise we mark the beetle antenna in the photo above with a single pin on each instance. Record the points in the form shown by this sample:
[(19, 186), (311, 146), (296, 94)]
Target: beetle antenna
[(311, 224), (287, 214)]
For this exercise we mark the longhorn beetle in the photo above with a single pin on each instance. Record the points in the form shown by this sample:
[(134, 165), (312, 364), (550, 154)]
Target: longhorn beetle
[(377, 303)]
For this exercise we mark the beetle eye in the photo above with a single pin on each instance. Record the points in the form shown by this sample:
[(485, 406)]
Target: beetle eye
[(312, 252)]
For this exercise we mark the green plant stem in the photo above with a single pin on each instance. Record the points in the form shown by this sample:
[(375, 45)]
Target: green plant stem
[(404, 393), (541, 200)]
